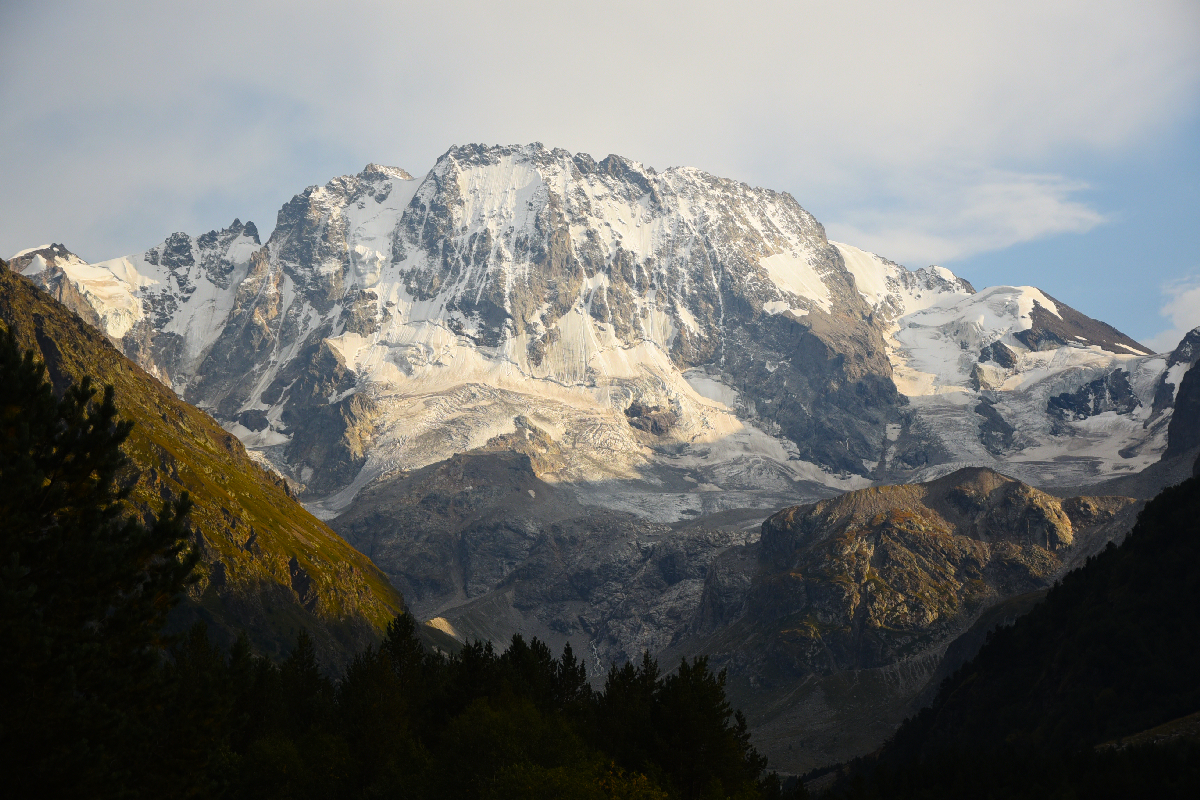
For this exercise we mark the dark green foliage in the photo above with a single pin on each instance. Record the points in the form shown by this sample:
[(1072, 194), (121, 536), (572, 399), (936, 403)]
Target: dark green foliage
[(1112, 651), (679, 728), (702, 752), (405, 722), (84, 589)]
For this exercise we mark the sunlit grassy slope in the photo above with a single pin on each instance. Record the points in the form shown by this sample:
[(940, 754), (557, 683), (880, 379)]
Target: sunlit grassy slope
[(269, 567)]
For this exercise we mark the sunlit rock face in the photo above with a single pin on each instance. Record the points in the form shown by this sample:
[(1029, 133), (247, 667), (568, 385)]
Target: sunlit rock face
[(662, 328), (876, 575), (847, 611)]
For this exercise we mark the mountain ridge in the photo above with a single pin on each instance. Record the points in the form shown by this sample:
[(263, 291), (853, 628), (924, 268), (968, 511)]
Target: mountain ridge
[(593, 287), (847, 607)]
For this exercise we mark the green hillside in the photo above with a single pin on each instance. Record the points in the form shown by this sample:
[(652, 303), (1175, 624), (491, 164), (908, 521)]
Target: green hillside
[(268, 566)]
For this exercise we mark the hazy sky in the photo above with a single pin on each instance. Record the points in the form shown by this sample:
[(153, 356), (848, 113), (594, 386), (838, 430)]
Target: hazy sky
[(1047, 143)]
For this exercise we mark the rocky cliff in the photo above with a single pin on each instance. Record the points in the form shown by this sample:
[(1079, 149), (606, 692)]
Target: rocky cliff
[(653, 324), (840, 615)]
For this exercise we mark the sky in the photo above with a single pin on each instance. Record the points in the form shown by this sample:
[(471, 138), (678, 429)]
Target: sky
[(1047, 143)]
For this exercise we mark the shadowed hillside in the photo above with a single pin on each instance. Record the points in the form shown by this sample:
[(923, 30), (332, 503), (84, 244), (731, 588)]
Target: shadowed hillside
[(268, 566)]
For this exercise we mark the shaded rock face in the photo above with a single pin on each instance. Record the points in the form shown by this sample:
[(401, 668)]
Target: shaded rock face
[(1183, 433), (823, 384), (607, 581), (1182, 358), (995, 432), (651, 419), (480, 541), (451, 531), (1187, 351), (1111, 392), (1053, 330), (999, 353)]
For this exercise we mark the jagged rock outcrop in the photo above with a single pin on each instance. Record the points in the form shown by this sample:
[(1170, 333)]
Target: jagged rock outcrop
[(1111, 392), (1183, 434), (871, 587)]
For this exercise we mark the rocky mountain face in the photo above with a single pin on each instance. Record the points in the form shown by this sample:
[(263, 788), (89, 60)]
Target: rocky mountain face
[(839, 616), (555, 396), (49, 265), (1176, 407), (487, 549), (269, 567), (656, 325), (1183, 434)]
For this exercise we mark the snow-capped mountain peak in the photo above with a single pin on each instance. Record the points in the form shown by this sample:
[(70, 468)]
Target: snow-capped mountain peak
[(619, 313), (895, 291)]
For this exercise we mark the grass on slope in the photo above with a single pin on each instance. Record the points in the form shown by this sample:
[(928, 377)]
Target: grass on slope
[(271, 567)]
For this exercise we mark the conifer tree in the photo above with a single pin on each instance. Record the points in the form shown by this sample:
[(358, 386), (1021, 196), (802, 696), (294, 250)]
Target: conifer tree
[(84, 588)]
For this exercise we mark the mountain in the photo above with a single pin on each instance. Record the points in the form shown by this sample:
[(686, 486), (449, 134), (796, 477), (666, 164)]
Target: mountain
[(269, 567), (553, 395), (1093, 691), (657, 325), (845, 610)]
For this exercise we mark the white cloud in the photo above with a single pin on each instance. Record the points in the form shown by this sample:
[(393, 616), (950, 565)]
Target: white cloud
[(961, 218), (934, 128), (1183, 310)]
